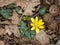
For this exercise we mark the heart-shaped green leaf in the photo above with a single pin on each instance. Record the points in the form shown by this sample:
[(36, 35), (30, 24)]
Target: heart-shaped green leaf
[(12, 5), (27, 34), (21, 33), (6, 13), (18, 9), (42, 11)]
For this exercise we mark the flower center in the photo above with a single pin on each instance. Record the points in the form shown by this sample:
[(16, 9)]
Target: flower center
[(36, 24)]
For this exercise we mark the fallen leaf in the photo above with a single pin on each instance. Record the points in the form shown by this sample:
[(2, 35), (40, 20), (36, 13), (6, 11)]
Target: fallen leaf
[(58, 42), (15, 18), (59, 2), (15, 29), (6, 2), (43, 38), (28, 5), (1, 31), (52, 43), (5, 22), (7, 30), (1, 42), (12, 29)]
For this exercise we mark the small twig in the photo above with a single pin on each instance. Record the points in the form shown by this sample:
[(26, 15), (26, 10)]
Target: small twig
[(35, 14)]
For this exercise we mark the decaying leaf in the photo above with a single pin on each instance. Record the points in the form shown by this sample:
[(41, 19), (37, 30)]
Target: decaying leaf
[(6, 2), (59, 2), (7, 30), (1, 31), (43, 38), (15, 18), (1, 42), (28, 5), (54, 10), (58, 42), (12, 29), (15, 29), (5, 22)]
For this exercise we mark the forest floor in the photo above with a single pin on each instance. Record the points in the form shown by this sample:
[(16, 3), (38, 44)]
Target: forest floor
[(29, 22)]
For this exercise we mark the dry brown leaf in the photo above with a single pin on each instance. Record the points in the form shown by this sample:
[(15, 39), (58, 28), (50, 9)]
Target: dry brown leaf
[(59, 2), (28, 5), (54, 10), (15, 29), (58, 42), (43, 38), (1, 31), (12, 29), (6, 2), (15, 18), (1, 42), (7, 30), (49, 1), (48, 18), (5, 22), (53, 25)]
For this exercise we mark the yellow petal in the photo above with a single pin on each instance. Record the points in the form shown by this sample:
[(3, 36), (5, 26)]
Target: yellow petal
[(36, 19), (37, 30), (41, 23), (32, 24), (40, 20), (32, 19), (32, 28), (41, 27)]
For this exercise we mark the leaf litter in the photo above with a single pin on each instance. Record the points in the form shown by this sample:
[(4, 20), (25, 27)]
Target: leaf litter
[(15, 22)]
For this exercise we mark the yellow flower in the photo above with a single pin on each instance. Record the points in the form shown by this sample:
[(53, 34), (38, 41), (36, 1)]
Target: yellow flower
[(36, 24)]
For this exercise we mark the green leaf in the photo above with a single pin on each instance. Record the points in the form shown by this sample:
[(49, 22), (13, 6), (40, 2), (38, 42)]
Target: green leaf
[(12, 5), (42, 11), (33, 33), (32, 36), (23, 26), (24, 29), (18, 9), (22, 33), (6, 13), (27, 34), (22, 23)]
